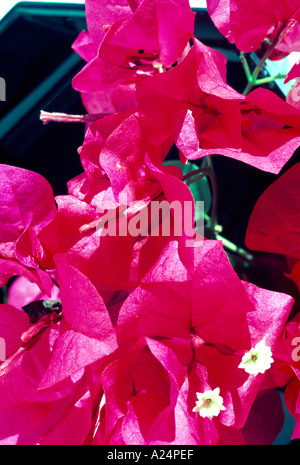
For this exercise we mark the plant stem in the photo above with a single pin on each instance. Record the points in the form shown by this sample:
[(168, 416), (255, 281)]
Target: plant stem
[(262, 81), (252, 78), (214, 185), (195, 173), (245, 66), (197, 178), (235, 249), (206, 172)]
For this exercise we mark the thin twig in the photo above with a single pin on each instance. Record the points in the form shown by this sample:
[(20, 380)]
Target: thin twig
[(196, 172), (252, 79), (214, 185)]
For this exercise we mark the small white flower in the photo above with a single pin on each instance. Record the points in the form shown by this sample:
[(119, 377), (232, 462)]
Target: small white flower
[(209, 403), (258, 359)]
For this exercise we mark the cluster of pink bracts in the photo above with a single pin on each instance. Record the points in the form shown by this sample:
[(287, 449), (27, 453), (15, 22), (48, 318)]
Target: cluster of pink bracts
[(139, 339)]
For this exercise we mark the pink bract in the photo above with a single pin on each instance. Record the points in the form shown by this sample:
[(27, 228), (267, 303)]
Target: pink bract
[(117, 323), (28, 206), (261, 129), (273, 226), (167, 306), (129, 41), (248, 25)]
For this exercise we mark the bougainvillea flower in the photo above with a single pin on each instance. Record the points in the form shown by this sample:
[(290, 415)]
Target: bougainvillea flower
[(262, 426), (274, 224), (258, 359), (74, 228), (286, 369), (101, 13), (45, 361), (148, 35), (95, 137), (135, 400), (274, 227), (124, 163), (259, 129), (157, 408), (28, 415), (181, 96), (141, 42), (136, 338), (267, 132), (64, 230), (54, 395), (247, 27), (202, 68), (11, 268), (27, 207), (209, 403), (254, 132), (74, 231), (120, 180), (279, 45), (125, 169), (130, 169), (220, 331), (96, 255), (87, 334), (95, 248)]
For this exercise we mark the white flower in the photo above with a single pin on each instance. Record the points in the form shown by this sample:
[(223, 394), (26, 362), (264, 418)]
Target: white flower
[(209, 403), (258, 359)]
